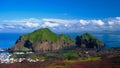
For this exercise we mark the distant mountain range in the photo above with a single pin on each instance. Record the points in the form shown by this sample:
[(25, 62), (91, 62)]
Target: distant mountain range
[(45, 40)]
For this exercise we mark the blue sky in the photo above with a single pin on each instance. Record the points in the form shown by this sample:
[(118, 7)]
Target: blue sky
[(74, 15)]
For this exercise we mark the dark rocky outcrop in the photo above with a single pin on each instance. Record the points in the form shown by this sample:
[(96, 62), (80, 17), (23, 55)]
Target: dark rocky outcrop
[(86, 40)]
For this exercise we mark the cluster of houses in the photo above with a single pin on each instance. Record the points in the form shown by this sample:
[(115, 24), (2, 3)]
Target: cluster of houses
[(5, 58)]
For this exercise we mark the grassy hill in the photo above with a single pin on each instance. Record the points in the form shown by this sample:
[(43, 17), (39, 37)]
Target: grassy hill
[(41, 35), (43, 39)]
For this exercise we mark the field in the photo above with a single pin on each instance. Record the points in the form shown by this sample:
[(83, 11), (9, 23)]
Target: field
[(113, 62), (75, 58)]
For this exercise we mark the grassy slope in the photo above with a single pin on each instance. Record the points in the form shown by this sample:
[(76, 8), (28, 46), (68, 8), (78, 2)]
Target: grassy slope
[(41, 35), (45, 34)]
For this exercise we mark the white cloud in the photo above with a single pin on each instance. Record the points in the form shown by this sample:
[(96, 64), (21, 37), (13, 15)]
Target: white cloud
[(118, 18), (62, 21), (48, 24), (91, 22), (10, 26), (29, 24), (62, 24), (59, 23), (1, 27), (114, 21), (97, 22), (55, 20), (84, 22), (110, 23), (24, 20)]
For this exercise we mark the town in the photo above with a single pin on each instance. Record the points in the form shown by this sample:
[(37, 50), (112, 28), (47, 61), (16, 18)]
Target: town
[(74, 55), (5, 57)]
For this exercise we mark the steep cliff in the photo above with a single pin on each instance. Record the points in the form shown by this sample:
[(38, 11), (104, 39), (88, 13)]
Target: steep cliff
[(42, 40), (86, 40)]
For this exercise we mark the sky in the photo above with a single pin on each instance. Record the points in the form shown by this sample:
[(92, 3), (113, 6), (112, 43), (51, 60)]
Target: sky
[(59, 15)]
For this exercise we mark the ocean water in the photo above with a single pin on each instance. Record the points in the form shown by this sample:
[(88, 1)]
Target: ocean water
[(112, 39), (8, 40)]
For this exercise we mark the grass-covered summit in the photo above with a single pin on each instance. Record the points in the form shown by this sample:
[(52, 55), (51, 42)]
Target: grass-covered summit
[(41, 35), (43, 39)]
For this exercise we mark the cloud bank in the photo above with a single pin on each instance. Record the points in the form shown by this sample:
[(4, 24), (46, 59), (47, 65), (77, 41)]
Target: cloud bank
[(61, 25)]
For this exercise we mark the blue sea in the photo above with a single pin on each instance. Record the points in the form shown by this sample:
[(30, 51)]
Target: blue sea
[(112, 39), (8, 40)]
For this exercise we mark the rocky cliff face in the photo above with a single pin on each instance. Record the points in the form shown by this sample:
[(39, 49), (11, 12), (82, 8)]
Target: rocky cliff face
[(86, 40), (42, 40)]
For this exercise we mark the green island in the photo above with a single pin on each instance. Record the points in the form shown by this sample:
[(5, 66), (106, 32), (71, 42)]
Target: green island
[(46, 40), (61, 51)]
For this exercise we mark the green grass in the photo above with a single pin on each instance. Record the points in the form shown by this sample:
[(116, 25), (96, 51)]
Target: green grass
[(45, 34), (69, 54), (84, 60), (24, 49), (17, 56), (34, 57), (41, 35)]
